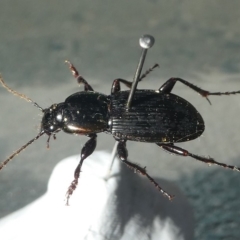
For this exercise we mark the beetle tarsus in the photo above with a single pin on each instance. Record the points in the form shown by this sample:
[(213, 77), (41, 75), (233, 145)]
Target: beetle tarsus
[(70, 190), (79, 78), (148, 71), (182, 152), (169, 84), (72, 68), (123, 154), (86, 151)]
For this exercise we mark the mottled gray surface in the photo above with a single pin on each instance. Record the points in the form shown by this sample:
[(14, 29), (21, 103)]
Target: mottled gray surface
[(195, 40)]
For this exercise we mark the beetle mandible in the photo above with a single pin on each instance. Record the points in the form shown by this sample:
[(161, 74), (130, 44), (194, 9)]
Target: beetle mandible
[(156, 116)]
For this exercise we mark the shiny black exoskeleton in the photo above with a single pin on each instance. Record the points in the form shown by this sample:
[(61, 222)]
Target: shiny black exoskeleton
[(155, 116), (81, 113), (149, 119)]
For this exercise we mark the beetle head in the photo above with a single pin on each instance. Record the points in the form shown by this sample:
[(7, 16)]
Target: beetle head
[(52, 119)]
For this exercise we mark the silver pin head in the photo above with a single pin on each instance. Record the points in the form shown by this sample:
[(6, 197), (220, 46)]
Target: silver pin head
[(146, 41)]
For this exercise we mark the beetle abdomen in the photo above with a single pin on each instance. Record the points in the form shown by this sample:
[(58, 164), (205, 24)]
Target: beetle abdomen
[(154, 117)]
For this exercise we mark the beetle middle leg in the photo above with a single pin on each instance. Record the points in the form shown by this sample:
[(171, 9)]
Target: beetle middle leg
[(171, 148), (123, 155), (169, 84), (80, 79), (116, 83), (87, 150)]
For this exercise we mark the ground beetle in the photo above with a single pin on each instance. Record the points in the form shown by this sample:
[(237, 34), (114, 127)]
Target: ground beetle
[(156, 116)]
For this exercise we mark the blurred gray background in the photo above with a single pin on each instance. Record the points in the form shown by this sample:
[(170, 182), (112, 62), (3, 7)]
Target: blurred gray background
[(195, 40)]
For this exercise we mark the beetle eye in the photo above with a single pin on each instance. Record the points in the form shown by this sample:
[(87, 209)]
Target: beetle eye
[(59, 117)]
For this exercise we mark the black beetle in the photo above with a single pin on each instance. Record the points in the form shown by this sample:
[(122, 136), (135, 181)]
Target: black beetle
[(156, 116)]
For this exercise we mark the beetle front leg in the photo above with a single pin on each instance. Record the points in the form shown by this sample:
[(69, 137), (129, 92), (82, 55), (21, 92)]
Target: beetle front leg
[(123, 155), (79, 78), (182, 152), (87, 150), (169, 84)]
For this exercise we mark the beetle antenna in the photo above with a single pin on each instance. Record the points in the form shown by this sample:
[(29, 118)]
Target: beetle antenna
[(19, 94), (3, 164)]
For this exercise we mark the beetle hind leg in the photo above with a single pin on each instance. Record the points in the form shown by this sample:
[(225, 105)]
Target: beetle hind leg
[(169, 84), (87, 150), (123, 154), (182, 152)]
